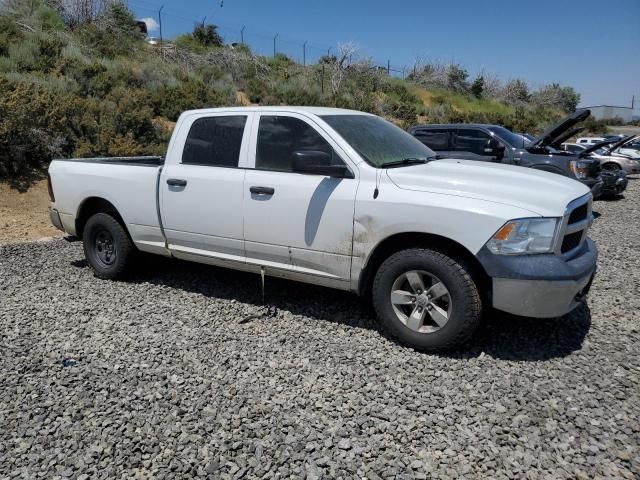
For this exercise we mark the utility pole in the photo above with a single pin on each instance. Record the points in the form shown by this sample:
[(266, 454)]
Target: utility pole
[(274, 44), (329, 52), (160, 25), (304, 53), (242, 34), (389, 67), (204, 20), (633, 101)]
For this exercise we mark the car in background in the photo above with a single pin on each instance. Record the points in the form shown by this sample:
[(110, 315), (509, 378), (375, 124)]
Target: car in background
[(631, 149), (590, 140), (493, 143), (605, 153), (572, 147)]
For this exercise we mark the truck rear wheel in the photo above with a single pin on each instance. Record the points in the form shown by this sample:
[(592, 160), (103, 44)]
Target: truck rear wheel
[(426, 300), (107, 247)]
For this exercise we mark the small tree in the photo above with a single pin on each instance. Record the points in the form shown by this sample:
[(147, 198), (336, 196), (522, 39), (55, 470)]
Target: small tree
[(553, 95), (339, 66), (516, 91), (477, 86), (207, 35), (457, 78)]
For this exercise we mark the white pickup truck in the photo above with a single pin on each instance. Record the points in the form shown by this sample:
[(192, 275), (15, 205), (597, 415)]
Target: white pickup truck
[(342, 199)]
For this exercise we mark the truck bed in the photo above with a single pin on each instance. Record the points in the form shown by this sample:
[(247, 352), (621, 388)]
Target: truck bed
[(130, 184)]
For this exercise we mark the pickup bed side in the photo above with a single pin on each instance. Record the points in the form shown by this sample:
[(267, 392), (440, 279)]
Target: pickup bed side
[(129, 184)]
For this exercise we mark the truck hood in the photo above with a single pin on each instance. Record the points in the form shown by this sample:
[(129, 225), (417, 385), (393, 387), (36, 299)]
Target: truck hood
[(563, 136), (542, 193), (552, 133)]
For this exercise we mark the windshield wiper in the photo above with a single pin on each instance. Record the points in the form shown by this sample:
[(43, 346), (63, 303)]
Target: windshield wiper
[(403, 162)]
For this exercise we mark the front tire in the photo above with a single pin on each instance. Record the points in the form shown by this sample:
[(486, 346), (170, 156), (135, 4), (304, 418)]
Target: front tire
[(426, 299), (611, 167), (107, 247)]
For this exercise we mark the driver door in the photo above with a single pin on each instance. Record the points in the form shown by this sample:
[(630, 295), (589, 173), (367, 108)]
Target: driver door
[(297, 222)]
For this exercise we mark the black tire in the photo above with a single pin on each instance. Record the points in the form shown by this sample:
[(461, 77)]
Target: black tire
[(465, 304), (100, 230), (611, 167)]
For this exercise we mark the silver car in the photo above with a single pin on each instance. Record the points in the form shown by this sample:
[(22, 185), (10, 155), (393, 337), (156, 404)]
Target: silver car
[(610, 158)]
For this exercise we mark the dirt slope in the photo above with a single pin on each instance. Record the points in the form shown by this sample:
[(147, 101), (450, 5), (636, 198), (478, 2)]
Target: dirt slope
[(24, 216)]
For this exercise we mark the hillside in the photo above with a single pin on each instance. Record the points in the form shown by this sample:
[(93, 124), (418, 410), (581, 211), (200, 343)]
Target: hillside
[(84, 86)]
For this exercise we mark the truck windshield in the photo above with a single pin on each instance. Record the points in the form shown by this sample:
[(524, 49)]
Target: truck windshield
[(380, 143), (508, 136)]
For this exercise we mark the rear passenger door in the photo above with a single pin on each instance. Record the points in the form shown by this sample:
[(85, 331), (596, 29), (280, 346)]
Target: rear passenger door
[(472, 144), (437, 139), (201, 193)]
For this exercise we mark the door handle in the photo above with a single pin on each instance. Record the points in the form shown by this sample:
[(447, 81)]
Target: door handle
[(262, 190), (176, 182)]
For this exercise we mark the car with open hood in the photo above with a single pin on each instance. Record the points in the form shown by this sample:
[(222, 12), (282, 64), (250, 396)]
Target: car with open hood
[(613, 182), (497, 144), (609, 156)]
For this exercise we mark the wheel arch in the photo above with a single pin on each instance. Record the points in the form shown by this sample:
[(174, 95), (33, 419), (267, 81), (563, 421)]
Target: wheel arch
[(92, 205), (401, 241)]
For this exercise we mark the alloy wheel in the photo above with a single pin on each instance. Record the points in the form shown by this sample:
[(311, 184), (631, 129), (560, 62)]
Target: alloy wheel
[(421, 301)]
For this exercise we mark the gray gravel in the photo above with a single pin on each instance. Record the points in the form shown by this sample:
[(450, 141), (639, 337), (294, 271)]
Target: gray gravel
[(166, 376)]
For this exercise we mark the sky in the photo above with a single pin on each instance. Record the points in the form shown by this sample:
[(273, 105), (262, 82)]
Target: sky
[(591, 45)]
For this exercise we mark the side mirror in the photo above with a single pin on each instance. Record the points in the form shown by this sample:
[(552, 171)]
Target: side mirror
[(494, 148), (316, 162)]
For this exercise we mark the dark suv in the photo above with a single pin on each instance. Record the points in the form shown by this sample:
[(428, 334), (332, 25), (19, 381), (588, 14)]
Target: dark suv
[(493, 143)]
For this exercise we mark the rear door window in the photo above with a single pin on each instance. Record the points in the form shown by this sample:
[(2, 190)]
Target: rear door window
[(280, 136), (214, 141), (471, 140), (437, 140)]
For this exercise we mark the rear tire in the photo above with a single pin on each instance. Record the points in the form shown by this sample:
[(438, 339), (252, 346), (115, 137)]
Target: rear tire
[(107, 247), (426, 300)]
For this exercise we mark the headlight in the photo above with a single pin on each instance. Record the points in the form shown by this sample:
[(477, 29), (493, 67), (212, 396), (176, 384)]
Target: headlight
[(578, 168), (524, 236)]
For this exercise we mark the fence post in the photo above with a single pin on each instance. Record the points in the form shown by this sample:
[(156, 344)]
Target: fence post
[(160, 24)]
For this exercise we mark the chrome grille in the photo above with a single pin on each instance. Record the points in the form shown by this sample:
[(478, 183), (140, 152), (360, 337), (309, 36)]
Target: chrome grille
[(575, 223)]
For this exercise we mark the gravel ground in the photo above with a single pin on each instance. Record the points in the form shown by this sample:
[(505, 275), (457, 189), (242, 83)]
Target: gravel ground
[(161, 377)]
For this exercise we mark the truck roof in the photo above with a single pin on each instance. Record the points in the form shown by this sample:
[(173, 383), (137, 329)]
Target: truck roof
[(258, 108)]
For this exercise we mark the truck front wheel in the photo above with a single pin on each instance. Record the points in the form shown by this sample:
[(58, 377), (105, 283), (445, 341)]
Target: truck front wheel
[(426, 300), (107, 247)]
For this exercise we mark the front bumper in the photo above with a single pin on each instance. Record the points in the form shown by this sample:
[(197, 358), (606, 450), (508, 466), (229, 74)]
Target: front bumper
[(595, 185), (541, 286), (614, 183)]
